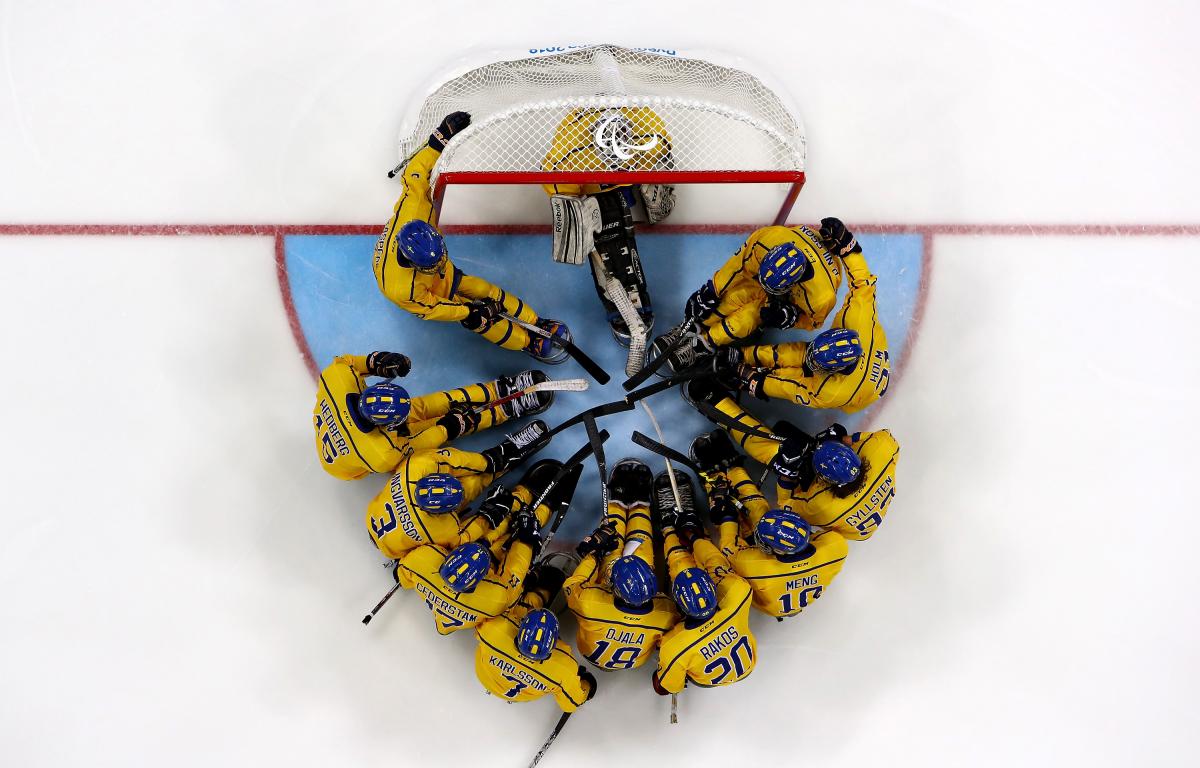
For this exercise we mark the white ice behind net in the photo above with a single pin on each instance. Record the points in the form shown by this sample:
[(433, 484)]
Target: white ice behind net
[(716, 118)]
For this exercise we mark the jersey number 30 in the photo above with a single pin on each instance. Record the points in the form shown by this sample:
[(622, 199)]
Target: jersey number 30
[(737, 665)]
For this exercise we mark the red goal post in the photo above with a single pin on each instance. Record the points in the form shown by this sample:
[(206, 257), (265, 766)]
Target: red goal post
[(610, 115)]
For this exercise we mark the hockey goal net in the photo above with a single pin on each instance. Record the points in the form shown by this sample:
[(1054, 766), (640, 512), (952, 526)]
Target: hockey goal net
[(610, 115)]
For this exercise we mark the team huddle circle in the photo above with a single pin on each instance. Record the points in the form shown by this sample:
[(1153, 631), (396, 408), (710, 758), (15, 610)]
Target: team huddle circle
[(746, 517)]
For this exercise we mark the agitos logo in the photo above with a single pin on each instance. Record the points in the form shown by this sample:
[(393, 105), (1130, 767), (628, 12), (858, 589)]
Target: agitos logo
[(614, 137)]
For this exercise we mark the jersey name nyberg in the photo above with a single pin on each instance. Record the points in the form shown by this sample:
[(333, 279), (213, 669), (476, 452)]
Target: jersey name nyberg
[(396, 489)]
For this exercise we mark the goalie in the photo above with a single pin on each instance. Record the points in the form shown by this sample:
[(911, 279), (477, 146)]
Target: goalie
[(596, 221), (413, 269)]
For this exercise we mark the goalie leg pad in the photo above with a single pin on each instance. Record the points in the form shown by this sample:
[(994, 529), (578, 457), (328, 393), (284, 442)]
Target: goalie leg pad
[(616, 245)]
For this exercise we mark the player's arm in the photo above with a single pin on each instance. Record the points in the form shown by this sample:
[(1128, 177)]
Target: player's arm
[(858, 312), (586, 573), (428, 306), (711, 559), (575, 690), (734, 267), (671, 674)]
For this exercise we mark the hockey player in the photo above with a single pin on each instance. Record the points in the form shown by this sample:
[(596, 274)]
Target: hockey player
[(596, 221), (775, 550), (482, 579), (520, 656), (413, 271), (844, 367), (713, 644), (419, 505), (361, 429), (781, 277), (614, 590), (833, 479)]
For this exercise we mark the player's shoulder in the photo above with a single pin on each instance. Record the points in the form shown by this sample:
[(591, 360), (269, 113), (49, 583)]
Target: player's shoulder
[(831, 545), (879, 441)]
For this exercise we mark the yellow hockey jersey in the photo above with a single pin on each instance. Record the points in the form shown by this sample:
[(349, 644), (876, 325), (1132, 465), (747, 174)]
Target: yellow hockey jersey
[(351, 447), (785, 585), (719, 651), (814, 297), (428, 296), (625, 139), (452, 611), (858, 514), (608, 636), (397, 525), (504, 672), (851, 391)]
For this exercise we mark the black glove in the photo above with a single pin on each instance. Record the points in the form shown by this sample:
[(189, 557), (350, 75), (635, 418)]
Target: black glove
[(751, 381), (837, 238), (779, 314), (715, 452), (599, 542), (705, 390), (789, 460), (544, 577), (460, 420), (702, 303), (525, 530), (690, 526), (451, 124), (832, 432), (497, 505), (657, 685), (590, 680), (481, 315), (389, 365), (721, 508)]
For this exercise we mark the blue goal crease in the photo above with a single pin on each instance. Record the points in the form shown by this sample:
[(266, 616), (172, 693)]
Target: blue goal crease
[(341, 310)]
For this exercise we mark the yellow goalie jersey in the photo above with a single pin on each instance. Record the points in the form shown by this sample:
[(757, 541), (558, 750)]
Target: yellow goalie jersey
[(815, 297), (397, 525), (858, 513), (625, 139), (852, 391), (504, 672), (719, 651), (611, 637)]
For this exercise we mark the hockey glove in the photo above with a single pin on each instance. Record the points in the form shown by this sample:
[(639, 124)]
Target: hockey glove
[(481, 315), (545, 578), (702, 303), (658, 686), (721, 508), (451, 124), (496, 506), (600, 542), (690, 527), (779, 314), (715, 452), (837, 238), (788, 462), (705, 390), (389, 365), (832, 432), (460, 420), (525, 530), (589, 680), (751, 381)]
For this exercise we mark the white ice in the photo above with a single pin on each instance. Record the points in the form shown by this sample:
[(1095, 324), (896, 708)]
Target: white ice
[(182, 586)]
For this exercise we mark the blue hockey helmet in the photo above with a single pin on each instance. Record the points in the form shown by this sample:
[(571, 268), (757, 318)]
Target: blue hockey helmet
[(633, 580), (422, 245), (782, 532), (536, 634), (836, 462), (384, 404), (782, 267), (439, 493), (837, 350), (695, 593), (466, 566)]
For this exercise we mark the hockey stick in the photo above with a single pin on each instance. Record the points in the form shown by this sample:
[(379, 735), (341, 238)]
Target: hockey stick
[(564, 507), (588, 364), (550, 739), (571, 465), (563, 385), (606, 409), (380, 604), (598, 452), (695, 372), (725, 420), (639, 378), (665, 451)]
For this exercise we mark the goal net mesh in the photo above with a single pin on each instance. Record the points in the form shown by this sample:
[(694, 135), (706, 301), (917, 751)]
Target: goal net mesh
[(609, 109)]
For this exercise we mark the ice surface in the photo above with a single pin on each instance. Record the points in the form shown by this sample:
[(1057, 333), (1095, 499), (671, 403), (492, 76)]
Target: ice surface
[(182, 586)]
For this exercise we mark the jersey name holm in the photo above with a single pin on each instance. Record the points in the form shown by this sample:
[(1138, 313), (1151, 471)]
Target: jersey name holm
[(720, 643), (339, 442), (396, 488), (508, 668)]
